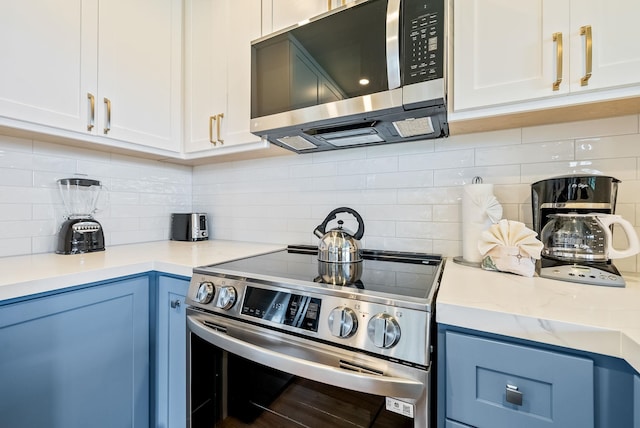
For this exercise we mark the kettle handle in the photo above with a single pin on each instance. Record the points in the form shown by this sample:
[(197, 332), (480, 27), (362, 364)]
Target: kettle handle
[(321, 229), (632, 236)]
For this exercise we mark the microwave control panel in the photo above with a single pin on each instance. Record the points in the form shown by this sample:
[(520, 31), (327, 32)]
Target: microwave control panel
[(423, 41)]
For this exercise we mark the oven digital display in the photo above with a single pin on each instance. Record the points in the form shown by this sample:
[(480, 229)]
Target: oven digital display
[(282, 307)]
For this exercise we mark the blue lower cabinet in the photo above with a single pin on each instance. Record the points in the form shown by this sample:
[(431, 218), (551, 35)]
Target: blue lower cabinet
[(453, 424), (171, 333), (79, 358), (636, 401), (495, 384)]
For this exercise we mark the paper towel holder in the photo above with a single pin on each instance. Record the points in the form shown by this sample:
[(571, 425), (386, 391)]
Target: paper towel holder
[(460, 259)]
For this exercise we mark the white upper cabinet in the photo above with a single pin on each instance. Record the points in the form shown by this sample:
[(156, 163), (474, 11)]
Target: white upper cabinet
[(279, 14), (139, 71), (506, 52), (615, 36), (218, 37), (45, 52), (64, 62)]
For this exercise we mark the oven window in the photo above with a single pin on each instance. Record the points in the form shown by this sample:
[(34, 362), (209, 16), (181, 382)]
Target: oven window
[(259, 396)]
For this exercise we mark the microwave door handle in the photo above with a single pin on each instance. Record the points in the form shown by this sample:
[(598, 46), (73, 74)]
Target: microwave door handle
[(393, 43), (372, 384)]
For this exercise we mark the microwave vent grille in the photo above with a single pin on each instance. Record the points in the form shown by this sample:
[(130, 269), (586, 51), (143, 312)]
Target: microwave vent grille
[(413, 127), (297, 142)]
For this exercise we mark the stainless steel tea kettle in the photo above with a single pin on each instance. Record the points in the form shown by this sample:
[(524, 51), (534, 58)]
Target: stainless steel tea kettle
[(339, 245), (585, 237)]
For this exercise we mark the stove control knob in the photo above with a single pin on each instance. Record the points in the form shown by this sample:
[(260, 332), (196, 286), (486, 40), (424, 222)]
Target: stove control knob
[(226, 297), (343, 322), (205, 292), (384, 330)]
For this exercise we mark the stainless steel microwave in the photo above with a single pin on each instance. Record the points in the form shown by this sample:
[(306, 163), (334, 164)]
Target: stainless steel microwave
[(370, 72)]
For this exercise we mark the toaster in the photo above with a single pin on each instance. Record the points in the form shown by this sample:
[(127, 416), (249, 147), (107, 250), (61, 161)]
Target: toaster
[(189, 227)]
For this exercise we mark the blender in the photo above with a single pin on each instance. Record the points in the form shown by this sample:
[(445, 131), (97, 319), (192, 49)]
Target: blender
[(80, 232)]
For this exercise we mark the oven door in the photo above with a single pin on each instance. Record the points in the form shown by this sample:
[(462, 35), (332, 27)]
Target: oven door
[(245, 375)]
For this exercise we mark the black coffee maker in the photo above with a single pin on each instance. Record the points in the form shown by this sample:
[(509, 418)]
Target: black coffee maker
[(80, 232), (581, 194)]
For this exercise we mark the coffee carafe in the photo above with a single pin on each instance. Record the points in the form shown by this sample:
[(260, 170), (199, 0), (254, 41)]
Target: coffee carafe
[(571, 203), (586, 238), (80, 232)]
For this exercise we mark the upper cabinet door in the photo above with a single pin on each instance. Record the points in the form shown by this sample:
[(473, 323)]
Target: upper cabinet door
[(615, 52), (139, 71), (279, 14), (218, 37), (47, 56), (504, 51), (236, 127)]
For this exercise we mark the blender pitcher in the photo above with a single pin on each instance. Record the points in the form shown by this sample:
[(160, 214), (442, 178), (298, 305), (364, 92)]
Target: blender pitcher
[(80, 196), (80, 232)]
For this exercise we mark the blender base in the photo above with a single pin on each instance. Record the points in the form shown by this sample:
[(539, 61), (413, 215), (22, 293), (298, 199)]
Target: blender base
[(605, 274), (80, 235)]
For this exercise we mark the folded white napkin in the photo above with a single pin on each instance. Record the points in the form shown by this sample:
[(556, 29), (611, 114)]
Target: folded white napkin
[(480, 209), (509, 246)]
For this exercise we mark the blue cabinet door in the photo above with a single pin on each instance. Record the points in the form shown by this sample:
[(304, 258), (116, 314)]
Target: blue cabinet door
[(497, 384), (636, 401), (77, 359), (171, 354)]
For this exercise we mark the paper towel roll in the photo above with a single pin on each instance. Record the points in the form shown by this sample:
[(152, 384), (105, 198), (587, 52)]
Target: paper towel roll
[(480, 209)]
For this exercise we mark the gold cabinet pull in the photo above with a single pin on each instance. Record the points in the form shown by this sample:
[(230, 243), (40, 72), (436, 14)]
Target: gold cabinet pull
[(107, 123), (92, 111), (328, 4), (586, 31), (220, 116), (211, 120), (557, 37)]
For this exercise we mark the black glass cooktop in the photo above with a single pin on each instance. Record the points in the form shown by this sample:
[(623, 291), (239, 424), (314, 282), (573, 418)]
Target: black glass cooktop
[(397, 273)]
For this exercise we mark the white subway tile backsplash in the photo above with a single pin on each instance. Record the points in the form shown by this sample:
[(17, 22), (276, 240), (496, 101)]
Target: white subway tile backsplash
[(14, 246), (408, 194), (438, 160), (16, 177), (15, 159), (525, 153), (368, 166), (481, 139), (619, 146), (399, 180), (501, 174), (136, 206), (620, 125), (411, 197), (400, 212)]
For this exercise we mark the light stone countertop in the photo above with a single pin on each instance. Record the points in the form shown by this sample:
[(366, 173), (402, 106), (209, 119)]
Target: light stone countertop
[(38, 273), (597, 319), (603, 320)]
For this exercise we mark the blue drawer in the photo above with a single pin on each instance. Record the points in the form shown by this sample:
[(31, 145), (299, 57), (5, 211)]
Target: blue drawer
[(453, 424), (496, 384)]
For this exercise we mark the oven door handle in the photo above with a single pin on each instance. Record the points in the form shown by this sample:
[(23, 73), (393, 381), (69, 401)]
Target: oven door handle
[(371, 384)]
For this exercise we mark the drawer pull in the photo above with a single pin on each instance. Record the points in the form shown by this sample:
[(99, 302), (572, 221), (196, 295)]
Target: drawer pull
[(513, 395)]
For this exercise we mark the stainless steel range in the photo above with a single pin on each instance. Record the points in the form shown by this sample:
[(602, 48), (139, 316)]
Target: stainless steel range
[(282, 339)]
